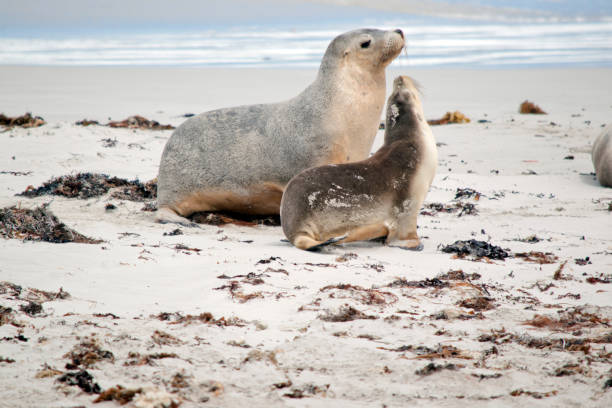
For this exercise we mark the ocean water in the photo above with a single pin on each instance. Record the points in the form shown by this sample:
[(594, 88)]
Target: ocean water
[(494, 34)]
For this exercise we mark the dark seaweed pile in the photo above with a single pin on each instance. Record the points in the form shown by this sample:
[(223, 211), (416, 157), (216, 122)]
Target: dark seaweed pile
[(476, 248), (38, 225), (26, 120), (86, 185)]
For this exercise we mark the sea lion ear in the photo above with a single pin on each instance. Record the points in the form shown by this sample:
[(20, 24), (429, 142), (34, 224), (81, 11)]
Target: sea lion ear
[(346, 52)]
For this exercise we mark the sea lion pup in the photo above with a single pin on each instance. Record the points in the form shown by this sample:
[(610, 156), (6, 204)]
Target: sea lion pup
[(240, 159), (602, 157), (377, 197)]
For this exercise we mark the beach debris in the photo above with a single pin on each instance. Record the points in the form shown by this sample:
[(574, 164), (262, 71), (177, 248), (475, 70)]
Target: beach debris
[(346, 257), (569, 157), (478, 303), (150, 206), (425, 283), (307, 390), (450, 117), (118, 393), (558, 273), (47, 371), (25, 121), (345, 313), (87, 185), (245, 220), (467, 193), (86, 354), (433, 368), (432, 209), (360, 294), (535, 394), (258, 355), (537, 257), (583, 261), (531, 239), (162, 338), (139, 122), (478, 249), (110, 207), (569, 320), (137, 359), (108, 142), (459, 275), (31, 309), (529, 107), (206, 317), (6, 360), (174, 232), (601, 279), (87, 122), (38, 224), (83, 380), (16, 173)]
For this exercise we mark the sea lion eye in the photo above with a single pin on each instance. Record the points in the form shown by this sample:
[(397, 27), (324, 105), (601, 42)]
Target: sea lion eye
[(366, 44)]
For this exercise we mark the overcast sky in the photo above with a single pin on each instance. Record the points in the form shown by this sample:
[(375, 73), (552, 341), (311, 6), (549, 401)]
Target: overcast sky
[(67, 14)]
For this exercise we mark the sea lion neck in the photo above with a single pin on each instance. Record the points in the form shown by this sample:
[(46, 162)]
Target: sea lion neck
[(404, 120)]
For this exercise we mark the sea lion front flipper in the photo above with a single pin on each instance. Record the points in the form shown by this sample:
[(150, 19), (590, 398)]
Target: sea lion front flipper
[(408, 245), (165, 215)]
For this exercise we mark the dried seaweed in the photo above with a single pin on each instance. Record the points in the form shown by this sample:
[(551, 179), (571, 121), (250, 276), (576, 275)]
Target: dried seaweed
[(118, 393), (137, 359), (83, 380), (38, 224), (362, 295), (467, 193), (31, 309), (568, 320), (205, 317), (459, 275), (433, 209), (530, 107), (425, 283), (165, 339), (307, 391), (25, 121), (139, 122), (537, 257), (478, 249), (346, 313), (535, 394), (87, 185), (433, 368), (450, 117), (86, 354), (478, 303)]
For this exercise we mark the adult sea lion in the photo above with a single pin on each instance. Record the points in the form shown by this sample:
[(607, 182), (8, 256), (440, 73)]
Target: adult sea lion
[(377, 197), (240, 159), (602, 157)]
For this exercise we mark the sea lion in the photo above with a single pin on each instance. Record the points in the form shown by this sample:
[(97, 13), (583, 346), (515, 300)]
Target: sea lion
[(377, 197), (602, 157), (240, 159)]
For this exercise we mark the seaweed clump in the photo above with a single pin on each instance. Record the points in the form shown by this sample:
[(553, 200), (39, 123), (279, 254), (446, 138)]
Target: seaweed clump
[(25, 121), (478, 249), (450, 117), (38, 224), (530, 107), (87, 185)]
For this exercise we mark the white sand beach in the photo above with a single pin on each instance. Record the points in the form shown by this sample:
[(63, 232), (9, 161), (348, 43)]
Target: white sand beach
[(507, 332)]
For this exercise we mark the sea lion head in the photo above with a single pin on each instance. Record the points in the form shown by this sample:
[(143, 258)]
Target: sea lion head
[(404, 109), (368, 48)]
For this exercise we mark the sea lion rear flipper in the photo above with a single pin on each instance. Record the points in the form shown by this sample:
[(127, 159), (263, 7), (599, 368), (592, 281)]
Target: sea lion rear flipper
[(326, 243)]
